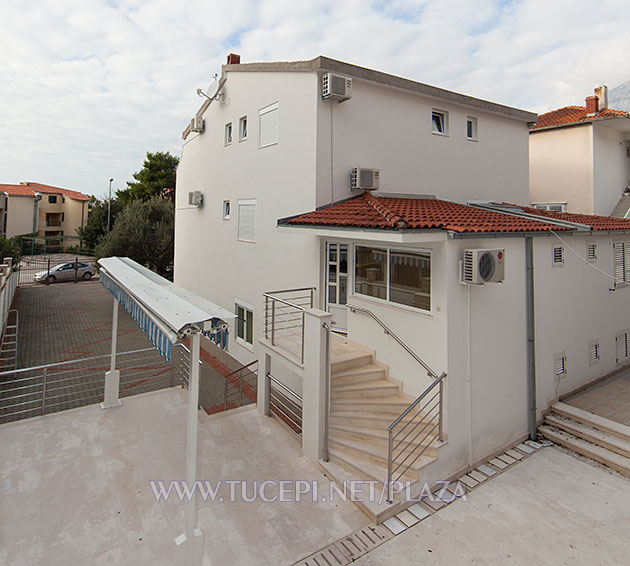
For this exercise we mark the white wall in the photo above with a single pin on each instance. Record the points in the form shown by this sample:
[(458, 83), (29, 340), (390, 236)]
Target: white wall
[(611, 168), (19, 216), (391, 130), (574, 304), (561, 167), (208, 257)]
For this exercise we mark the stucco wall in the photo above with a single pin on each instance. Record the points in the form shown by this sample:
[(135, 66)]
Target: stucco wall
[(561, 167), (391, 130), (75, 215), (208, 257), (611, 168), (19, 215)]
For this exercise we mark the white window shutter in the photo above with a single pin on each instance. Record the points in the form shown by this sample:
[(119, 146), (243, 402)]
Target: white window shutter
[(618, 249), (247, 221), (622, 346), (268, 126), (626, 261)]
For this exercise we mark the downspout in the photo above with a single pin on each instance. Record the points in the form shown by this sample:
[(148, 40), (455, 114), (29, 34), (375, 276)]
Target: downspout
[(36, 200), (468, 380), (531, 338)]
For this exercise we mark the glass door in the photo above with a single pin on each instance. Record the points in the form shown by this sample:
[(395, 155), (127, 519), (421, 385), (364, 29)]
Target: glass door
[(337, 283)]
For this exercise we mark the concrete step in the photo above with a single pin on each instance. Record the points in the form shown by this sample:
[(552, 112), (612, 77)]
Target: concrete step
[(359, 374), (371, 388), (350, 360), (622, 206), (364, 468), (362, 419), (370, 441), (592, 435), (611, 459), (391, 405), (595, 421)]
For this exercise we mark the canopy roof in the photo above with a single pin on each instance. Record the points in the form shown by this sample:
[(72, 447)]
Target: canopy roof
[(162, 309)]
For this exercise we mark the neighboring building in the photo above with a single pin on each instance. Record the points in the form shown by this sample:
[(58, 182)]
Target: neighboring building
[(42, 209), (579, 158), (267, 146)]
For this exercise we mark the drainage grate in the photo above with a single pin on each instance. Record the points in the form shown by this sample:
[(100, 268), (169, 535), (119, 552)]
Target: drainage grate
[(349, 548)]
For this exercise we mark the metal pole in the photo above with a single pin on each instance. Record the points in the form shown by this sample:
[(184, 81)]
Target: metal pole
[(76, 268), (327, 398), (531, 338), (273, 322), (109, 205), (48, 271), (441, 409), (302, 348), (112, 377), (389, 466), (44, 391), (190, 511), (225, 393), (240, 385)]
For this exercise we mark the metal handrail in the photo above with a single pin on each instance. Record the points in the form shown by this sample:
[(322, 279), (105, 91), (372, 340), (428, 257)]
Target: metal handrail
[(388, 330)]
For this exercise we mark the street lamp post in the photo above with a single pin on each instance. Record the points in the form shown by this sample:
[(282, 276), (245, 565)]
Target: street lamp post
[(109, 205)]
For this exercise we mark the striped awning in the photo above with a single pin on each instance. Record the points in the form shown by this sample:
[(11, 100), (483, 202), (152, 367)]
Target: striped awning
[(162, 310)]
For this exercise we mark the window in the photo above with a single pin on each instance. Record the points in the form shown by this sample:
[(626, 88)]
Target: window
[(242, 129), (226, 210), (591, 251), (471, 128), (63, 200), (621, 254), (622, 346), (553, 206), (244, 323), (268, 125), (63, 216), (247, 220), (557, 256), (593, 352), (560, 365), (439, 121), (228, 133), (52, 199), (397, 276)]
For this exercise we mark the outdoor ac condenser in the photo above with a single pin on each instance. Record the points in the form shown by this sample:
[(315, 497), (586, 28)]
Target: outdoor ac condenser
[(336, 87), (195, 198), (362, 178), (197, 124), (483, 266)]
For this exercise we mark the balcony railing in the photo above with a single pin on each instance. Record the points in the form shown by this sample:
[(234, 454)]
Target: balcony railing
[(284, 318)]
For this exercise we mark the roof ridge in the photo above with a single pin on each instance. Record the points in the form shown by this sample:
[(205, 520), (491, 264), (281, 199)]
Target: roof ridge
[(390, 216)]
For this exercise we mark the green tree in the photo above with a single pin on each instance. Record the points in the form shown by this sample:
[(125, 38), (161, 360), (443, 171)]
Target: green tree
[(11, 247), (157, 174), (96, 225), (144, 232)]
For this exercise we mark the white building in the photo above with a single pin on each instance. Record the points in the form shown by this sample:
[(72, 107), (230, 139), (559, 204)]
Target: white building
[(579, 158), (271, 148)]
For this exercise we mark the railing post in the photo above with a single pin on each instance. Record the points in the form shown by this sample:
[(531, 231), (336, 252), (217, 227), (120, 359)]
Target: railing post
[(441, 412), (48, 272), (240, 386), (273, 322), (112, 377), (225, 393), (302, 346), (389, 467), (266, 317), (76, 269), (263, 384), (44, 391)]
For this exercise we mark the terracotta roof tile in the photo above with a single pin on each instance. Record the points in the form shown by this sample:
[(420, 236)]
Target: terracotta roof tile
[(369, 211), (29, 189), (574, 115), (597, 223)]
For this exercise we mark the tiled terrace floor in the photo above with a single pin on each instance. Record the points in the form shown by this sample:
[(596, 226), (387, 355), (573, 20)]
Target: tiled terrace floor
[(609, 399), (75, 488)]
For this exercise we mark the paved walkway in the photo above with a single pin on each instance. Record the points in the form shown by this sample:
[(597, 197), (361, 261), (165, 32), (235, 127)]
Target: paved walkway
[(609, 399)]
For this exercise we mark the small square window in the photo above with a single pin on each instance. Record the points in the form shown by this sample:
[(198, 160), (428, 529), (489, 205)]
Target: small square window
[(226, 210), (246, 211), (242, 129), (52, 199), (471, 128), (228, 133), (557, 256), (591, 251), (439, 120), (244, 324)]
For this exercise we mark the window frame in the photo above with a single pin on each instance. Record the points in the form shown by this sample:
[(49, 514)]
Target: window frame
[(274, 107), (239, 204), (562, 358), (445, 125), (52, 199), (226, 210), (229, 134), (247, 308), (389, 249), (624, 281), (555, 263), (475, 128), (626, 336), (242, 121)]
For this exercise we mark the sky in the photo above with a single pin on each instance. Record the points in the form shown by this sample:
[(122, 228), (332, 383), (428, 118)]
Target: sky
[(87, 87)]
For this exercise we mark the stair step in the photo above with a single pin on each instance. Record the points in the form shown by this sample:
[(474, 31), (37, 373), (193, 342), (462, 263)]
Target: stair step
[(367, 469), (600, 423), (348, 361), (377, 447), (611, 459), (372, 388), (360, 374), (589, 434)]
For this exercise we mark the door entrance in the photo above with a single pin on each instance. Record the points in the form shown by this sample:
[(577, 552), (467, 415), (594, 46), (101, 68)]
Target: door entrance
[(337, 284)]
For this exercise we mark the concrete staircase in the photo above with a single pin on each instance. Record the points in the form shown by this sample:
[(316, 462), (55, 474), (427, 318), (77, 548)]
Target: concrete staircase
[(365, 400), (622, 206), (595, 437)]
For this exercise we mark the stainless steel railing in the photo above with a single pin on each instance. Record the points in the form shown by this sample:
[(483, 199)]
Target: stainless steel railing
[(43, 389), (284, 318), (240, 385), (285, 404), (419, 425)]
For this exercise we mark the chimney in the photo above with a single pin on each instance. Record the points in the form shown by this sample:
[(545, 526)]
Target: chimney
[(601, 92), (592, 105), (233, 59)]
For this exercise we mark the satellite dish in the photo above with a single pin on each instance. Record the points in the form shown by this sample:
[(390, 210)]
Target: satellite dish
[(213, 89)]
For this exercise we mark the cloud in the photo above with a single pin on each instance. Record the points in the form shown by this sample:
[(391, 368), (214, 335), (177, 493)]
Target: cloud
[(88, 87)]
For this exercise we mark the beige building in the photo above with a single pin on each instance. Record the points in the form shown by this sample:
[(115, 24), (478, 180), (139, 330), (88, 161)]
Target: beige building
[(30, 208), (579, 158)]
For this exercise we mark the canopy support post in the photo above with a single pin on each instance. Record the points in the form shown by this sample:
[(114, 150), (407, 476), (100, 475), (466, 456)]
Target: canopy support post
[(112, 377)]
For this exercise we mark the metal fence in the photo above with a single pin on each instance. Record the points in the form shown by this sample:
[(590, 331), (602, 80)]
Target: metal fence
[(30, 266), (284, 318), (55, 387), (285, 404)]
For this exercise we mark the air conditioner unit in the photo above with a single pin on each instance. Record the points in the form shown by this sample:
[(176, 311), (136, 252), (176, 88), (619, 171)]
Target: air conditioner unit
[(195, 198), (362, 178), (197, 124), (336, 87), (483, 266)]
